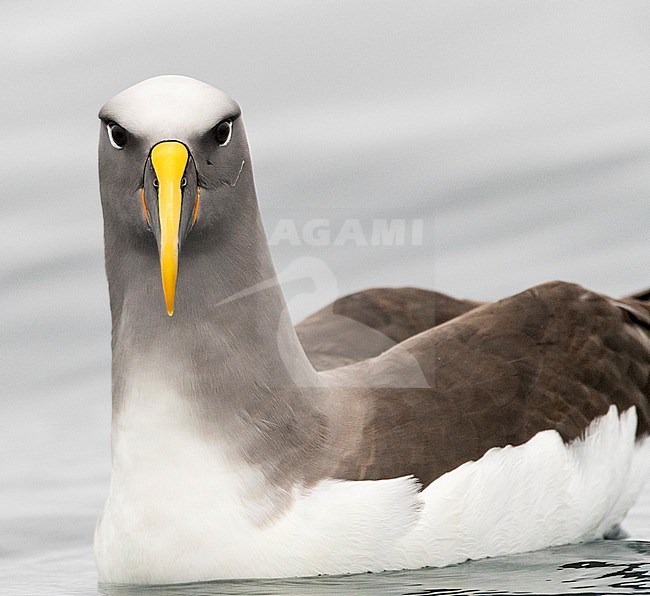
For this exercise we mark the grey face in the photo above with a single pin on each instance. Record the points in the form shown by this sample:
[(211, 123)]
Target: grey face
[(171, 153)]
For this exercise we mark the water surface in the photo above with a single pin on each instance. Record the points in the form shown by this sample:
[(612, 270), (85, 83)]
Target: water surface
[(607, 567)]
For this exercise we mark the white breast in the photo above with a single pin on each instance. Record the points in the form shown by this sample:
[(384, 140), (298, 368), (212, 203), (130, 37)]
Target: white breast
[(179, 510)]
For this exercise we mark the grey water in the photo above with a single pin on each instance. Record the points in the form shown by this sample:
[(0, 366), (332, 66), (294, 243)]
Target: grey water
[(517, 133), (610, 567), (620, 568)]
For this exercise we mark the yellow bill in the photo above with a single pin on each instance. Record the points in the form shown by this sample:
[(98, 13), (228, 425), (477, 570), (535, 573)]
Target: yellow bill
[(169, 160)]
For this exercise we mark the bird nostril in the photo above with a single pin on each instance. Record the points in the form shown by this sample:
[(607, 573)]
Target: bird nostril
[(155, 182), (183, 182)]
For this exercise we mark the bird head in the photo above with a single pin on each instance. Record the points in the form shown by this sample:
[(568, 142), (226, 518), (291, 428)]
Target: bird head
[(171, 152)]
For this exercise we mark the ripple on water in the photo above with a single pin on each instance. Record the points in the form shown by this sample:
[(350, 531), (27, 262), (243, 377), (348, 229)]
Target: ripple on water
[(607, 567)]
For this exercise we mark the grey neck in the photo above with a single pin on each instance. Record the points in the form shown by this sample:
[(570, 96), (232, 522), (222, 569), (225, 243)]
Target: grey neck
[(234, 361)]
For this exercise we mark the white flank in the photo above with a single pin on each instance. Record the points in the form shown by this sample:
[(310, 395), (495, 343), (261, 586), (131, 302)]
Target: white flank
[(179, 511)]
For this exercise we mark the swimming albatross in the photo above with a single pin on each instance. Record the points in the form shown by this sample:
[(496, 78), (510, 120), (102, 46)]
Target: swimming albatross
[(515, 426)]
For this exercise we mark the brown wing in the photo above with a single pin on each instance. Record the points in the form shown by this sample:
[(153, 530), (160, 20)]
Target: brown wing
[(644, 295), (553, 357), (367, 323)]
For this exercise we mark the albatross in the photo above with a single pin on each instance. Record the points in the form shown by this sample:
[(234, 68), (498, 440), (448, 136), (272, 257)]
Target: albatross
[(244, 448)]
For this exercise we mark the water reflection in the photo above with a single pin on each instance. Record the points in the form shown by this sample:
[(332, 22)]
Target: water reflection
[(609, 567)]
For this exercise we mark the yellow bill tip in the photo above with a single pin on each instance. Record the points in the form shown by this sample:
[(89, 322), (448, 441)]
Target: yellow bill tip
[(169, 273)]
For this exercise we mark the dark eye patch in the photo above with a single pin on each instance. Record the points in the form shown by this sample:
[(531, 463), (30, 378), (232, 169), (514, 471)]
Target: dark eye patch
[(117, 135), (223, 132)]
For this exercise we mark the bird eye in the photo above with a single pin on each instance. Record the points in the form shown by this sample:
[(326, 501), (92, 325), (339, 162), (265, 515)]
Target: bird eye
[(117, 135), (223, 132)]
